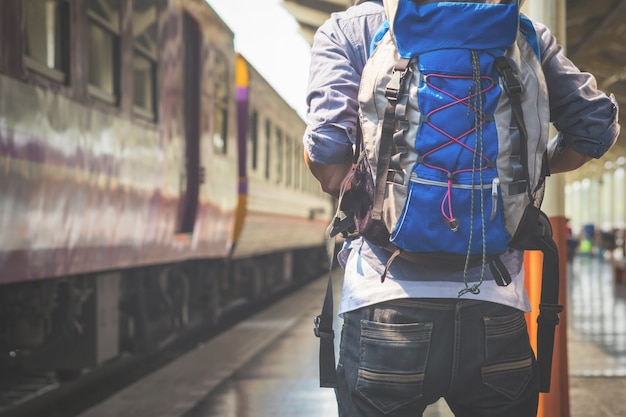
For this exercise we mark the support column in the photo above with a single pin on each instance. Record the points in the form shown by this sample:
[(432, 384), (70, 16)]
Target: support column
[(556, 403)]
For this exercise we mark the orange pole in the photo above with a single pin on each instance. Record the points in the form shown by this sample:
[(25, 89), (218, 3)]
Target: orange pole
[(556, 402)]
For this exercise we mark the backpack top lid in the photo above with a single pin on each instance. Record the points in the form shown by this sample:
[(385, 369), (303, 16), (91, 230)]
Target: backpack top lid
[(449, 25)]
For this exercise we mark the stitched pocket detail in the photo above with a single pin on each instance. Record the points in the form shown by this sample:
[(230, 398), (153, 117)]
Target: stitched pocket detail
[(392, 363), (509, 364)]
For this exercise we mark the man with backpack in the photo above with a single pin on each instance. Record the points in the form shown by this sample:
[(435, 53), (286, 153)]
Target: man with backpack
[(422, 323)]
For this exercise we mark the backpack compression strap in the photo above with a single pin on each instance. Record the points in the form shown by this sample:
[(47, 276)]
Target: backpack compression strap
[(395, 91), (514, 89)]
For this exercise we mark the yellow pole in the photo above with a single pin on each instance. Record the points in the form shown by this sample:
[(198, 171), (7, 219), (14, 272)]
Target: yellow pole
[(556, 402)]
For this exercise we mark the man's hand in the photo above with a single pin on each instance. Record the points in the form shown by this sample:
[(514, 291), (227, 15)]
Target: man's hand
[(563, 160), (330, 176)]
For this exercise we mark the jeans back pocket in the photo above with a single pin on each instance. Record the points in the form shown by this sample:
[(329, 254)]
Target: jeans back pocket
[(392, 363), (510, 363)]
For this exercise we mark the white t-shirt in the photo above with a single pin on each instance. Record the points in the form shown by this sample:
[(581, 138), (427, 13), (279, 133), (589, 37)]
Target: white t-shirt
[(362, 284)]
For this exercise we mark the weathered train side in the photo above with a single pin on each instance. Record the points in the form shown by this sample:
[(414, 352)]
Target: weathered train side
[(153, 183)]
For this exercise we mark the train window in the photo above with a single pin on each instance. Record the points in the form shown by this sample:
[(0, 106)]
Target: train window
[(268, 147), (220, 134), (254, 139), (288, 162), (145, 58), (297, 161), (46, 36), (279, 156), (303, 170), (104, 34)]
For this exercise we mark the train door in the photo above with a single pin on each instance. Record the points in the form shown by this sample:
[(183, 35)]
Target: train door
[(190, 185)]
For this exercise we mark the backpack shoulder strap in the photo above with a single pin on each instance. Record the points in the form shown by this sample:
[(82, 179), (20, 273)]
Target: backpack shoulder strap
[(530, 34)]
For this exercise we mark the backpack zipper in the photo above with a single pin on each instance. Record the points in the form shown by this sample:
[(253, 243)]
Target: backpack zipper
[(495, 185)]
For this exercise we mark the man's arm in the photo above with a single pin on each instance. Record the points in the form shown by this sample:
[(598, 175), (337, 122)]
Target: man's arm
[(585, 117), (339, 52)]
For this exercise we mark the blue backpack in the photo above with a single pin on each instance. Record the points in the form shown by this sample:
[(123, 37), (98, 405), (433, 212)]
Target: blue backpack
[(455, 120)]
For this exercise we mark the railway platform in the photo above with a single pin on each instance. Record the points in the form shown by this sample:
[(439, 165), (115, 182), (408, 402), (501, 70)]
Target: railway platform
[(267, 365)]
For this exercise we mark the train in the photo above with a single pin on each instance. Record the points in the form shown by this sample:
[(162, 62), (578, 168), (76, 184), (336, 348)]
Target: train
[(150, 178)]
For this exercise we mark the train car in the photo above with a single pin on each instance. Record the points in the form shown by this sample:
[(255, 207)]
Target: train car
[(150, 180), (283, 205)]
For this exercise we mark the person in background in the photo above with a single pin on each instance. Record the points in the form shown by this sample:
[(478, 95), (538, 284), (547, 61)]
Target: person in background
[(428, 342), (572, 242)]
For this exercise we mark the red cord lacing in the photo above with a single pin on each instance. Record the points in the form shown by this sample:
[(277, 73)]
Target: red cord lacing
[(446, 204)]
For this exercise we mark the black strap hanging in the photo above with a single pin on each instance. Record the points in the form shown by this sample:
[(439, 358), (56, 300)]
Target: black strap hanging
[(535, 233), (324, 325)]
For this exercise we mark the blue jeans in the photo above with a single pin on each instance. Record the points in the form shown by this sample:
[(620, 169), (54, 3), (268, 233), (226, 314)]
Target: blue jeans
[(399, 356)]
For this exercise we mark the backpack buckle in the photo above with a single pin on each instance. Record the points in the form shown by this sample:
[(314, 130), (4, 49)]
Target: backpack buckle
[(512, 84), (392, 92), (320, 333)]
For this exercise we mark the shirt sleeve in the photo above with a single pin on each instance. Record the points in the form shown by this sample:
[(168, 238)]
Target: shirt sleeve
[(340, 49), (585, 117)]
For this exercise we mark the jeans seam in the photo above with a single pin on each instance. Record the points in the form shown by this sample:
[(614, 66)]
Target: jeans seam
[(456, 348)]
